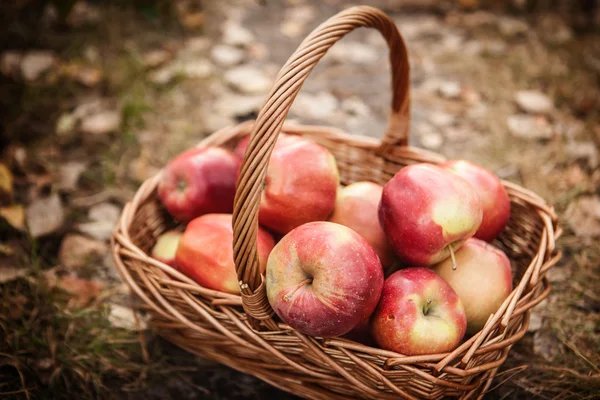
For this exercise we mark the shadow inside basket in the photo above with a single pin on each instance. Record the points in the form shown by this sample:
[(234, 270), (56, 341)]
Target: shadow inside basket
[(213, 324)]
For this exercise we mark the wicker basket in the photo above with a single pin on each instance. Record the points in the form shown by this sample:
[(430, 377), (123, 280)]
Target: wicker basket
[(242, 331)]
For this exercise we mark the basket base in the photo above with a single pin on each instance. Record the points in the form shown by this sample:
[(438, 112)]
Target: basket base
[(299, 385)]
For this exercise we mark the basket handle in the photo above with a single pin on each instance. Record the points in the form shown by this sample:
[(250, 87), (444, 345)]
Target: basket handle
[(270, 120)]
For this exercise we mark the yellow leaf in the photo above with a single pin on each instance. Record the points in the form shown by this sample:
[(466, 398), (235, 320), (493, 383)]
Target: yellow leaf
[(6, 179), (14, 215)]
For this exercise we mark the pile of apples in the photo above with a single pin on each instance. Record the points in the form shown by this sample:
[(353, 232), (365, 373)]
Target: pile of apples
[(407, 267)]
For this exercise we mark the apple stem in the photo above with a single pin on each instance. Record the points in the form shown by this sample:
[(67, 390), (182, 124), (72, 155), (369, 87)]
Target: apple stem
[(288, 295), (426, 308), (451, 249)]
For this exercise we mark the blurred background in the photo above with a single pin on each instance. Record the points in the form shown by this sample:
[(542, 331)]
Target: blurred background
[(95, 96)]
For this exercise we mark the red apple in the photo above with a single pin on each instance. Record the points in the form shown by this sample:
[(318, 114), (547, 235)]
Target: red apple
[(300, 185), (483, 280), (427, 213), (199, 181), (205, 252), (165, 248), (356, 208), (418, 313), (361, 333), (323, 279), (240, 149), (495, 203)]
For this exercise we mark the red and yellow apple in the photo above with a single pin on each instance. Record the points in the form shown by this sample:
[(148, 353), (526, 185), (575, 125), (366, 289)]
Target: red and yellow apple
[(427, 213), (356, 207), (483, 280), (205, 252), (199, 181), (495, 203), (323, 279), (166, 247), (418, 313), (300, 184)]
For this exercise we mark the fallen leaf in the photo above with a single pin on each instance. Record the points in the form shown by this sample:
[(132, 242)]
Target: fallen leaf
[(6, 180), (14, 215), (103, 218), (8, 274), (82, 290), (45, 215), (104, 212), (124, 317), (77, 251), (70, 173), (35, 63), (100, 230), (10, 63)]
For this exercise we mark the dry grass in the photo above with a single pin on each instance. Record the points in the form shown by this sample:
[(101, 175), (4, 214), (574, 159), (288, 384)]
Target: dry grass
[(53, 351)]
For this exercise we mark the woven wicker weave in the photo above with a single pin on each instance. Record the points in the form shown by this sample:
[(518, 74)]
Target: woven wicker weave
[(242, 331)]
